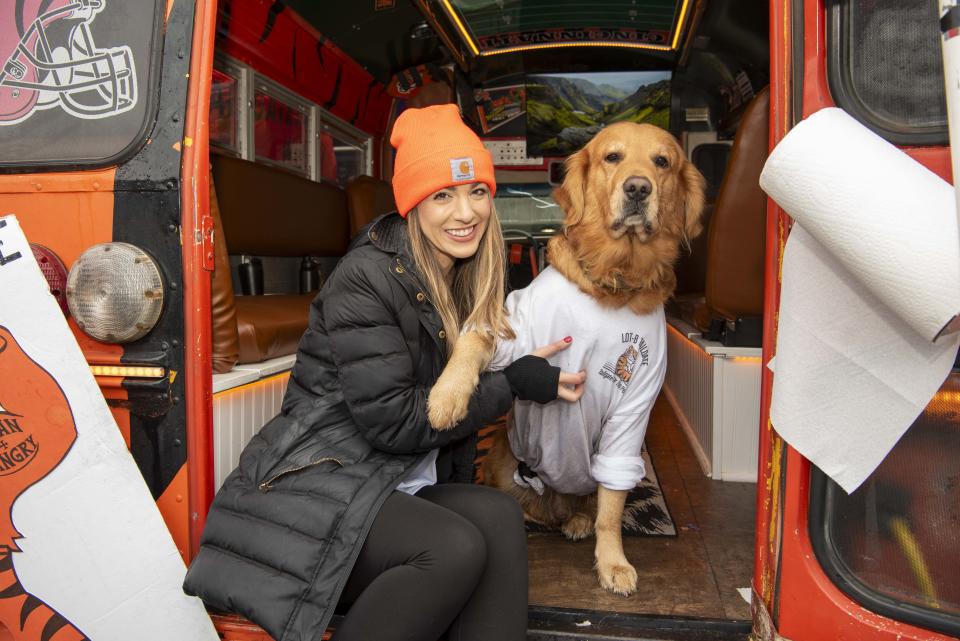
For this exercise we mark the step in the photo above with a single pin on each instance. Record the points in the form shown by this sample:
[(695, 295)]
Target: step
[(566, 624)]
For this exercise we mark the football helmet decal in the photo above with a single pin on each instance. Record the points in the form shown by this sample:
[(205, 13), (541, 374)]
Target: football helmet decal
[(48, 60)]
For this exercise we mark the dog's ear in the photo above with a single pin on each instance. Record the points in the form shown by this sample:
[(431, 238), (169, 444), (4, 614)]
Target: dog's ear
[(571, 195), (694, 198)]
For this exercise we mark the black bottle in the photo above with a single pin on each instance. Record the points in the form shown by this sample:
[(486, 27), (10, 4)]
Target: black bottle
[(309, 275), (251, 276)]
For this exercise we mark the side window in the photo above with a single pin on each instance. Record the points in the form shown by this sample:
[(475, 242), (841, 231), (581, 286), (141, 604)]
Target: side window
[(280, 131), (343, 155), (225, 111), (885, 67), (78, 81), (256, 119)]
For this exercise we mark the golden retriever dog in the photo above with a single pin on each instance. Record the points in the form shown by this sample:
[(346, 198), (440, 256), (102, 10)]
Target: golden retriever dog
[(630, 200)]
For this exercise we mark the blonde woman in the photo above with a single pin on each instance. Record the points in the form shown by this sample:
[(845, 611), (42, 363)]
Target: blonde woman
[(349, 501)]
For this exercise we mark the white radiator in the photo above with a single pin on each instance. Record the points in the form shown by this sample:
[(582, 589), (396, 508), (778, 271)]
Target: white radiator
[(689, 388), (715, 392), (239, 412)]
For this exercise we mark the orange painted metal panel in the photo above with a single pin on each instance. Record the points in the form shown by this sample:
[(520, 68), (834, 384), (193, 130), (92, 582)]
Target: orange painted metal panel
[(174, 508), (195, 209), (66, 212), (769, 475)]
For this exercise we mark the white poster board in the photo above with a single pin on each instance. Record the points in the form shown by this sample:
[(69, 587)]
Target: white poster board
[(82, 544)]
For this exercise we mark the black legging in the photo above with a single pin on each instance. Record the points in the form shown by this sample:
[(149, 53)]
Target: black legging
[(451, 559)]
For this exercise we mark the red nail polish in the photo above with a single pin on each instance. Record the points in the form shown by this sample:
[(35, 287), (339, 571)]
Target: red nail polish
[(568, 339)]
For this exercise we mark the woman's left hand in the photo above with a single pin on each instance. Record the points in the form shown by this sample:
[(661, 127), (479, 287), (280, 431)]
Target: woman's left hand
[(570, 387)]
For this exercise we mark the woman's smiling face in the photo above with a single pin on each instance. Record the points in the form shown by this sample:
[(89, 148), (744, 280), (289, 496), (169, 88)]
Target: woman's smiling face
[(454, 219)]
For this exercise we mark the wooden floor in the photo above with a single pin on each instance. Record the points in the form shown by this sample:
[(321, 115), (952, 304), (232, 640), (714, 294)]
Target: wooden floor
[(694, 574)]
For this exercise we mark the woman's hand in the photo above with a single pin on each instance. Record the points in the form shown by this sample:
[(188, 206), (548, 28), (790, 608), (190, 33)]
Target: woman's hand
[(570, 386), (532, 378)]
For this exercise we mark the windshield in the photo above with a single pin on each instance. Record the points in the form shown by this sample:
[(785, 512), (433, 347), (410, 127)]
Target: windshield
[(528, 208)]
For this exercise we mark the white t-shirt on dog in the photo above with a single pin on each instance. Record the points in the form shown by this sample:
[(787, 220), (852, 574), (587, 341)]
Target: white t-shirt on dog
[(575, 446)]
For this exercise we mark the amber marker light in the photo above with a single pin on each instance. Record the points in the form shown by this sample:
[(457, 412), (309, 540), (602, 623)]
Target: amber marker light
[(128, 371)]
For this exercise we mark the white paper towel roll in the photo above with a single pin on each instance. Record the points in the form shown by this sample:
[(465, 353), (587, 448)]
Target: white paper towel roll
[(870, 276)]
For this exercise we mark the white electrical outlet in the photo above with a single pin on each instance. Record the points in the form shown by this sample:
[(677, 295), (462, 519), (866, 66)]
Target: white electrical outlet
[(510, 152)]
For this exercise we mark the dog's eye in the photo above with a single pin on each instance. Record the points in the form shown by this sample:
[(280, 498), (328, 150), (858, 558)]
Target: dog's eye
[(613, 157), (661, 161)]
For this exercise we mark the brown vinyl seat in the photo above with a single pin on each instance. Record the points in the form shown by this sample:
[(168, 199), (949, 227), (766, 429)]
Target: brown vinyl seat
[(266, 211), (368, 198), (270, 326), (736, 234)]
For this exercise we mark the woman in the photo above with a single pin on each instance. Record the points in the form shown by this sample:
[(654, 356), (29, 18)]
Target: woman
[(335, 504)]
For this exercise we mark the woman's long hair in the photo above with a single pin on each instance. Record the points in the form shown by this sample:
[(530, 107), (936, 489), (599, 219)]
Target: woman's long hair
[(475, 299)]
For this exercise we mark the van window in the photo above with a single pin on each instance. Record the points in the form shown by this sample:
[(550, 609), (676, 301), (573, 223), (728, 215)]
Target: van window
[(280, 131), (343, 156), (886, 69), (78, 81), (893, 544), (224, 110), (255, 118)]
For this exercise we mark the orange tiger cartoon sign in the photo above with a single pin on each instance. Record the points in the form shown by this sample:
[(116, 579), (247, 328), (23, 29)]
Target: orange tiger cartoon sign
[(36, 432), (84, 552)]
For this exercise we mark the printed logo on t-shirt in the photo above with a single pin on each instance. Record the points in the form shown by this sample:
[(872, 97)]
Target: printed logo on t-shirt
[(620, 371), (461, 169)]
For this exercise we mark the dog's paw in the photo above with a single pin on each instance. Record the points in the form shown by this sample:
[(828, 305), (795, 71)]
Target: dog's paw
[(579, 526), (619, 577), (449, 399)]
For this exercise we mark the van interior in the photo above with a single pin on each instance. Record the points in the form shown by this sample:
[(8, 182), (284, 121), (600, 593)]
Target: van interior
[(304, 95)]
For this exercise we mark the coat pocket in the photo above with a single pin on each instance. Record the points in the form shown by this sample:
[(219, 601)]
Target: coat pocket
[(333, 462)]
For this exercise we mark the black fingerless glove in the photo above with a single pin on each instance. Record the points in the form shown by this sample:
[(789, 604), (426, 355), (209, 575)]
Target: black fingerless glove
[(532, 378)]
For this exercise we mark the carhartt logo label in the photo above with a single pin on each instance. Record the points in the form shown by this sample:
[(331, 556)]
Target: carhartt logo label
[(461, 169), (17, 448)]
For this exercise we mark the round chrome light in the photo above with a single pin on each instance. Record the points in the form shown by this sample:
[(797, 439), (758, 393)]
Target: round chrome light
[(115, 292)]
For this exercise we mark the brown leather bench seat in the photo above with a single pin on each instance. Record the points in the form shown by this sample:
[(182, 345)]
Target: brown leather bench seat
[(271, 325), (266, 211)]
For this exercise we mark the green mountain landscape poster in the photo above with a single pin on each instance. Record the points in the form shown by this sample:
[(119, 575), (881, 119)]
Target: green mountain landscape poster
[(564, 111)]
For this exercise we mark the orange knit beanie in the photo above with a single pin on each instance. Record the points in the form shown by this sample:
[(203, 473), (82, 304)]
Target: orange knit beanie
[(435, 149)]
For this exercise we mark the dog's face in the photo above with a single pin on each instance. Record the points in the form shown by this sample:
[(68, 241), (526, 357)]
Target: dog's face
[(633, 181)]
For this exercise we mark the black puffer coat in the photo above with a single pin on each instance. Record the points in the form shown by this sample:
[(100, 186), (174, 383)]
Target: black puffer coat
[(286, 527)]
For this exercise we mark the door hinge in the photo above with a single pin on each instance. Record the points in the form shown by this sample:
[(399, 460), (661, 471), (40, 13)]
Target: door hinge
[(207, 242)]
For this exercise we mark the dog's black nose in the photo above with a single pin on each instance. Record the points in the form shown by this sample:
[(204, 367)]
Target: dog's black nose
[(637, 188)]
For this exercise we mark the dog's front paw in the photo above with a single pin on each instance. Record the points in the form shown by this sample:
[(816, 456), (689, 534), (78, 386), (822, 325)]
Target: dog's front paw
[(579, 526), (449, 399), (619, 577)]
